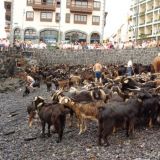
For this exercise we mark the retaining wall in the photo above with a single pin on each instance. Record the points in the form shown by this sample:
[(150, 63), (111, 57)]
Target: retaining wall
[(144, 56)]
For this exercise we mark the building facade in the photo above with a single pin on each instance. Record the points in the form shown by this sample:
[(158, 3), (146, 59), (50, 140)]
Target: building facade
[(145, 19), (56, 20)]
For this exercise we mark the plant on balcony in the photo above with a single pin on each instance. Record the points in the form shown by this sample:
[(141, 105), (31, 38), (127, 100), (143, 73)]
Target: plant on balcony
[(142, 36)]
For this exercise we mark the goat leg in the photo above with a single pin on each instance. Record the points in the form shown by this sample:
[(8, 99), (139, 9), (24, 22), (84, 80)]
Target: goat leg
[(49, 126), (43, 129), (81, 128), (60, 134), (127, 129), (150, 122), (106, 143), (100, 135), (84, 126)]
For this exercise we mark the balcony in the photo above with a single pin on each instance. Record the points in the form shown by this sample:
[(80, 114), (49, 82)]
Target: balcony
[(81, 8), (149, 21), (7, 28), (143, 23), (142, 13), (156, 7), (43, 6)]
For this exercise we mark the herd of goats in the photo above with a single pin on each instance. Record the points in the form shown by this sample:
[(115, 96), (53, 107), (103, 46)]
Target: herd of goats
[(119, 102)]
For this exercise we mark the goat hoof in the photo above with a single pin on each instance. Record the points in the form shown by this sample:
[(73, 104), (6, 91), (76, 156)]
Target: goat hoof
[(106, 145), (54, 132), (79, 133), (43, 136), (99, 144), (58, 141)]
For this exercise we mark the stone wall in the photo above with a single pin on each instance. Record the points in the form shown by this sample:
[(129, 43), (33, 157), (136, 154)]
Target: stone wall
[(144, 56)]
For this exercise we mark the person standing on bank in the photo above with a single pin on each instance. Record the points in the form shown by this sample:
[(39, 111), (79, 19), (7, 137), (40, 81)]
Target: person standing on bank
[(30, 81), (97, 68), (129, 68)]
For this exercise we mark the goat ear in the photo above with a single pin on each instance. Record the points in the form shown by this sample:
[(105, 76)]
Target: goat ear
[(66, 100), (35, 98), (39, 105), (41, 97), (139, 100), (126, 81)]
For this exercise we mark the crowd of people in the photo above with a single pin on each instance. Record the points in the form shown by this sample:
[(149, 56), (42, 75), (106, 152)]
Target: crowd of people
[(23, 45), (4, 44)]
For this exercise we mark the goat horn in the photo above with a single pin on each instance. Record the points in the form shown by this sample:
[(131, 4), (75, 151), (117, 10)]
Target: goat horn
[(157, 88), (137, 89)]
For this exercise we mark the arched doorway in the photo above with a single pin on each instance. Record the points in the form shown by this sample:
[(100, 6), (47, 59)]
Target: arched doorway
[(30, 35), (76, 36), (95, 37), (17, 34), (49, 36)]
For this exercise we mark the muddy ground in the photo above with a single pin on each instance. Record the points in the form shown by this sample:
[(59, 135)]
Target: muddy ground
[(14, 132)]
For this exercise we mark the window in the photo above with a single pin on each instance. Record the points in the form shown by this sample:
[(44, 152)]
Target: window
[(67, 18), (7, 6), (68, 3), (58, 3), (29, 16), (30, 32), (47, 1), (46, 16), (80, 19), (96, 5), (95, 20), (79, 3), (57, 17), (29, 2), (49, 36), (8, 17)]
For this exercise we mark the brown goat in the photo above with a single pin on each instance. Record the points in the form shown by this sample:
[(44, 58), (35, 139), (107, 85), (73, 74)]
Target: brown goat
[(52, 114), (62, 84), (75, 80), (83, 111)]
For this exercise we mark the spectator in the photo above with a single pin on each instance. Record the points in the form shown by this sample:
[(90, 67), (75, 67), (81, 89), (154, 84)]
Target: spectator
[(1, 45), (6, 44), (30, 81), (42, 45), (17, 45)]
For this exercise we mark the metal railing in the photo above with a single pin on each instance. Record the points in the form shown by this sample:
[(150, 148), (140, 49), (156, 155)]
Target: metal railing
[(44, 6), (81, 8)]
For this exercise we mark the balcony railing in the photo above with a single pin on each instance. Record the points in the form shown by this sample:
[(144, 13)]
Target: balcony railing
[(43, 6), (157, 7), (156, 20), (142, 13), (81, 8), (142, 23), (149, 22), (148, 34), (149, 9)]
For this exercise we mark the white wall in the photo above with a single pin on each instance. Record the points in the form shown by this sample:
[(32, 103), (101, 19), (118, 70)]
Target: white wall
[(19, 19), (2, 20)]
